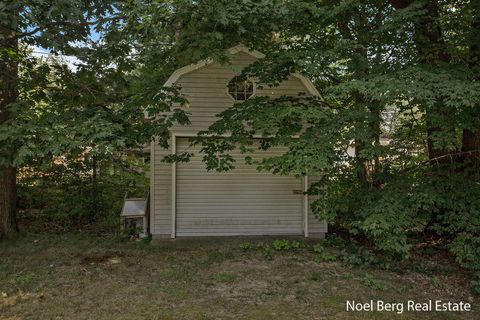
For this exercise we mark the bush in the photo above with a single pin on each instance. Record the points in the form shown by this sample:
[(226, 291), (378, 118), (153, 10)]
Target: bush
[(466, 247), (405, 206), (64, 196)]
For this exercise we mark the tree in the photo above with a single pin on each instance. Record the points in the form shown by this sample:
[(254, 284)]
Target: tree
[(33, 23), (49, 110), (8, 95)]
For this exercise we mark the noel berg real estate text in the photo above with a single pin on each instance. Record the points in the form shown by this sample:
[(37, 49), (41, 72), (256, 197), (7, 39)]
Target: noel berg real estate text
[(410, 305)]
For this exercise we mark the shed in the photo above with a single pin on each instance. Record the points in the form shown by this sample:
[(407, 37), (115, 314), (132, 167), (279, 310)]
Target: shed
[(187, 200)]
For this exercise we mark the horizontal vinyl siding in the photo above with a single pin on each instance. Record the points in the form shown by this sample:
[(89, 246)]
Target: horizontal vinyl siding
[(162, 189), (239, 202), (206, 91)]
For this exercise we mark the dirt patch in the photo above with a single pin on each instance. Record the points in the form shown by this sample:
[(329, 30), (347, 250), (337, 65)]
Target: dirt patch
[(8, 301), (103, 258)]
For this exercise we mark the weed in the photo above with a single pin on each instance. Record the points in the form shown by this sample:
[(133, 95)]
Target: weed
[(246, 246), (429, 251), (297, 244), (435, 282), (369, 281), (24, 279), (185, 273), (322, 254), (285, 245), (317, 277), (318, 248), (281, 245), (423, 268), (224, 277), (365, 258), (475, 285), (335, 241), (216, 256), (267, 252), (401, 289), (146, 240)]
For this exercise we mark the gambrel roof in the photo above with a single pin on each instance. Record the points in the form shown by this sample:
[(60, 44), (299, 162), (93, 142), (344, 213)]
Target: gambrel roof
[(239, 48)]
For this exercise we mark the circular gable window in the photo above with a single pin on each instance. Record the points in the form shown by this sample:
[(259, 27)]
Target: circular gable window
[(240, 89)]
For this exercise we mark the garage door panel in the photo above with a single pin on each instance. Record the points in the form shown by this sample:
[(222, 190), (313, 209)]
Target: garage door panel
[(235, 201), (231, 212), (239, 202)]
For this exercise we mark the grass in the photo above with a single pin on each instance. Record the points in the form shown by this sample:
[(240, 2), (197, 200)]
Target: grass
[(74, 276)]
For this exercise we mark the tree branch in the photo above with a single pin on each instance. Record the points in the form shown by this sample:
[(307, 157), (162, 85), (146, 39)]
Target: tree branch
[(67, 23)]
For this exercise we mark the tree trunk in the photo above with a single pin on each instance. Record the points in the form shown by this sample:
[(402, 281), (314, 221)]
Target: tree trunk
[(430, 45), (471, 142), (363, 172), (8, 197), (361, 162), (8, 95)]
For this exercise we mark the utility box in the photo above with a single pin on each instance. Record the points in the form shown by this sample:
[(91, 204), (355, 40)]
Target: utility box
[(135, 212)]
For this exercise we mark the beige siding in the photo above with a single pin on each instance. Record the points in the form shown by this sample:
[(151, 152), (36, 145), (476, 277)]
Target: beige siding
[(206, 90), (162, 191)]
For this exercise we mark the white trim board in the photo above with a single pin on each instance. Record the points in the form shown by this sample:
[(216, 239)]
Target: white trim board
[(174, 188), (152, 187), (239, 48), (306, 207)]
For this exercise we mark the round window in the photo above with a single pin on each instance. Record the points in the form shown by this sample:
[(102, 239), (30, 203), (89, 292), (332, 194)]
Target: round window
[(240, 89)]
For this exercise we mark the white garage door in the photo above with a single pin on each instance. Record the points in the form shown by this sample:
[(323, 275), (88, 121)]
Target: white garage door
[(242, 201)]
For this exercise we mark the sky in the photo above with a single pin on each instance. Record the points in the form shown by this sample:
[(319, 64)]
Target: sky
[(43, 53), (70, 61)]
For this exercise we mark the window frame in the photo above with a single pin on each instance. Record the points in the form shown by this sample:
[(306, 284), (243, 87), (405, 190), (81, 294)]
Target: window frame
[(254, 90)]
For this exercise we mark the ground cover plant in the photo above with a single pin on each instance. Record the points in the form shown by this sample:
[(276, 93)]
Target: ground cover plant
[(79, 276)]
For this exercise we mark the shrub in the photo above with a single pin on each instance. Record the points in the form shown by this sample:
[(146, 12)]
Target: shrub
[(409, 203), (466, 247), (64, 196)]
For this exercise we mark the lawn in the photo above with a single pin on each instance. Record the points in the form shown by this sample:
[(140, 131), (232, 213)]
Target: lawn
[(75, 276)]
